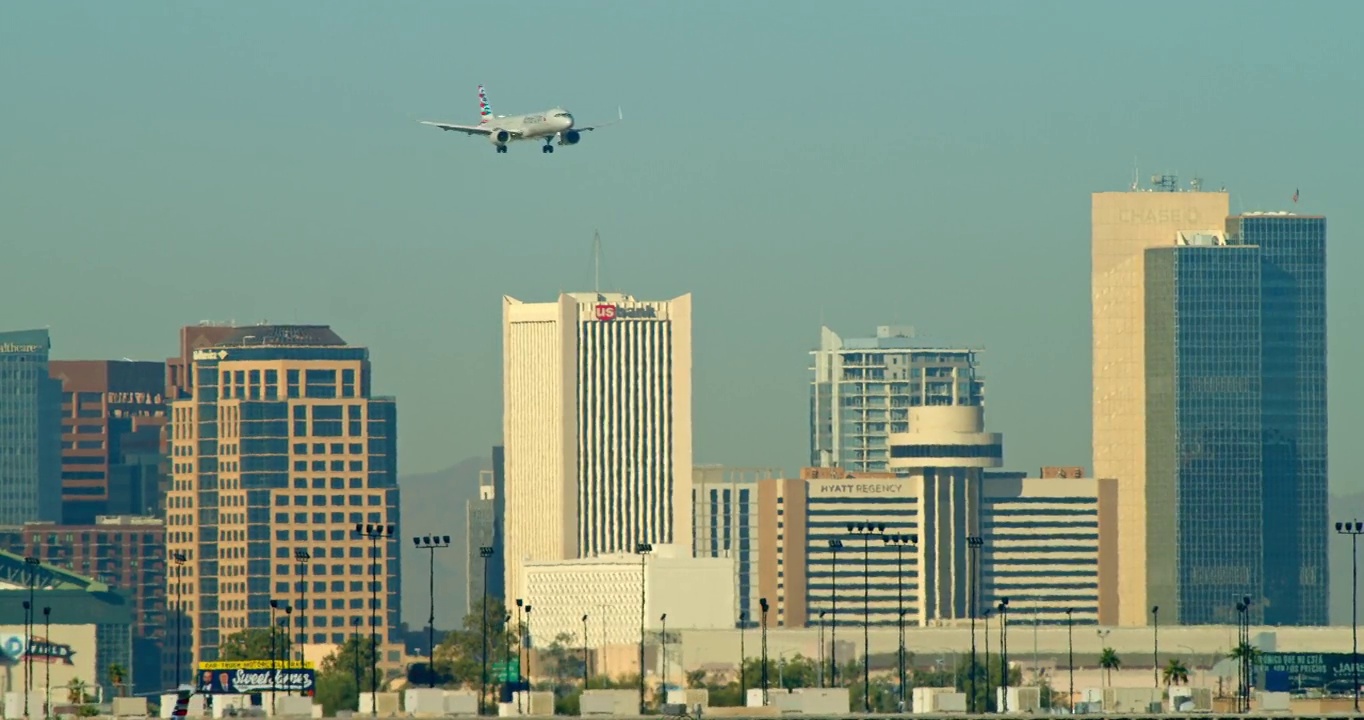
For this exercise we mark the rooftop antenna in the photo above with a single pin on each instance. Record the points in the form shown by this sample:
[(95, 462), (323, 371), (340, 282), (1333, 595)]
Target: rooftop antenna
[(1136, 174), (1196, 183), (596, 263)]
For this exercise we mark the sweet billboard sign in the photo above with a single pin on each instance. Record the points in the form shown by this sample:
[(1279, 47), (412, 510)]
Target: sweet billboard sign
[(253, 676)]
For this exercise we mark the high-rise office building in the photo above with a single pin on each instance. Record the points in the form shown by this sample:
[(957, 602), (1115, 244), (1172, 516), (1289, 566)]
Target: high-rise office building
[(725, 524), (280, 452), (596, 426), (1236, 425), (113, 415), (30, 430), (863, 389), (1293, 419), (485, 531), (1124, 226)]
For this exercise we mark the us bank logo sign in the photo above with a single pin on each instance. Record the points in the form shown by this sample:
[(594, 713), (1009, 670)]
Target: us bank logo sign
[(607, 312), (16, 649)]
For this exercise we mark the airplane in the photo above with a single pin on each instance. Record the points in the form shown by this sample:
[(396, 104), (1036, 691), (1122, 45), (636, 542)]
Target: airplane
[(549, 125)]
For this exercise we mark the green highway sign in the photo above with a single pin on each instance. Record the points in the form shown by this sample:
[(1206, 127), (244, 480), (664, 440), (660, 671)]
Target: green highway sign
[(506, 671)]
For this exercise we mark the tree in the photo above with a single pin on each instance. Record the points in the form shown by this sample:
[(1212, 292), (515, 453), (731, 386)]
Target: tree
[(461, 654), (118, 676), (1176, 673), (75, 692), (1109, 661), (250, 644), (336, 678)]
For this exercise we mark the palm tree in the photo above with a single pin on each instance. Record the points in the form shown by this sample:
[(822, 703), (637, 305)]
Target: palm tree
[(1247, 653), (1109, 661), (1176, 673), (75, 693), (117, 676)]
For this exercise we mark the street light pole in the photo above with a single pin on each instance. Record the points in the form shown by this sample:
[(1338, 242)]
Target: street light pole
[(288, 644), (643, 549), (179, 559), (375, 533), (866, 531), (985, 616), (586, 674), (835, 545), (302, 557), (431, 542), (484, 552), (47, 666), (1004, 653), (1354, 530), (30, 608), (900, 541), (1155, 644), (1070, 658), (973, 545), (762, 604)]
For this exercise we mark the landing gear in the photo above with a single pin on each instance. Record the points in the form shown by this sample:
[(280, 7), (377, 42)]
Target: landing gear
[(502, 148), (547, 148)]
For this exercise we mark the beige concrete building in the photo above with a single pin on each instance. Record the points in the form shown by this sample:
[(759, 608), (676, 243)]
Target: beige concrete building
[(725, 523), (1124, 225), (597, 427), (1045, 543), (280, 449), (607, 589)]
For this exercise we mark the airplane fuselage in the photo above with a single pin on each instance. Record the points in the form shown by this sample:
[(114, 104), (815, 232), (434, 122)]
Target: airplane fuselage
[(533, 126)]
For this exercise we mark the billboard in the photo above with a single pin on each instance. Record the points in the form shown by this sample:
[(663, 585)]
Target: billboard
[(1332, 672), (65, 652), (243, 677)]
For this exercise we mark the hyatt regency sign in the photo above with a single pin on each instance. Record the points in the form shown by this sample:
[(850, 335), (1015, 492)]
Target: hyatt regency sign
[(858, 487)]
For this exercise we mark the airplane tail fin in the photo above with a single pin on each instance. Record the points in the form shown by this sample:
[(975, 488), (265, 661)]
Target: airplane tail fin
[(485, 109)]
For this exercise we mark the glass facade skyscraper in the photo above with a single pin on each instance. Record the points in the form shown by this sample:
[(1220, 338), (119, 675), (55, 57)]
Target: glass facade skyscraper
[(1293, 366), (1203, 464), (1236, 422), (30, 430)]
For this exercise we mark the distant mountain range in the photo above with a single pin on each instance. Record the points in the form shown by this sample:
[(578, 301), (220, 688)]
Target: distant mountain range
[(434, 504)]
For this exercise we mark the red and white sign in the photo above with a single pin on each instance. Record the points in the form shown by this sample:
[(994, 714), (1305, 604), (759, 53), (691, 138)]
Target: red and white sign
[(606, 312)]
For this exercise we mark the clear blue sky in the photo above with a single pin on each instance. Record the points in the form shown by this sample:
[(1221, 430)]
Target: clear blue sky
[(163, 163)]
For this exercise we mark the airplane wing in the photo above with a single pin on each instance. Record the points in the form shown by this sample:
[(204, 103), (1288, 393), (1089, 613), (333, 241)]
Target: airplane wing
[(468, 129), (620, 115)]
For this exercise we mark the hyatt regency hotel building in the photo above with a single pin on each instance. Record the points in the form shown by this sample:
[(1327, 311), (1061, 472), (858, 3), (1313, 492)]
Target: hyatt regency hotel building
[(279, 451)]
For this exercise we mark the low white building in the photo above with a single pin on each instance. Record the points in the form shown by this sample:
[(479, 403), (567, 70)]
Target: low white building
[(695, 593)]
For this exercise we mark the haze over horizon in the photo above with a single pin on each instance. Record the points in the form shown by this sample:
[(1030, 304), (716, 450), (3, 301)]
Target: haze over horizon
[(789, 164)]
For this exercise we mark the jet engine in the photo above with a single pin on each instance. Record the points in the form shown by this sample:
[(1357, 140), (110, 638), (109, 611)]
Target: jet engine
[(570, 137), (499, 137)]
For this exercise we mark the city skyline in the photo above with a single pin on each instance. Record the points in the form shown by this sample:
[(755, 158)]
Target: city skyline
[(419, 234)]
